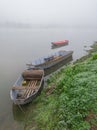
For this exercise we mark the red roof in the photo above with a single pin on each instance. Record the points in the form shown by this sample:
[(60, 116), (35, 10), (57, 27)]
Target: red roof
[(60, 42)]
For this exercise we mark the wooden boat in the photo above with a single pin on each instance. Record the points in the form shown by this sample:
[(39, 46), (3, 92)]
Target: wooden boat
[(58, 43), (27, 86), (50, 60)]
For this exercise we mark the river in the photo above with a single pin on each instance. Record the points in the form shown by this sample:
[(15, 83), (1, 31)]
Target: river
[(18, 46)]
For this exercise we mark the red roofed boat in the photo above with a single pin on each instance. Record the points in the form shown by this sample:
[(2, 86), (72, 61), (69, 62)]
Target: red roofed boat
[(60, 42)]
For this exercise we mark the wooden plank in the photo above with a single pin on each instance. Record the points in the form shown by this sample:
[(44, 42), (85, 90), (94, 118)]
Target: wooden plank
[(27, 91), (21, 88), (33, 78), (34, 86), (31, 84)]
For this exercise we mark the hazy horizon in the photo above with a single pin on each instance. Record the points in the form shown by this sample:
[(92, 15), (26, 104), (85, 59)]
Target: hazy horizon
[(80, 12), (44, 25), (27, 29)]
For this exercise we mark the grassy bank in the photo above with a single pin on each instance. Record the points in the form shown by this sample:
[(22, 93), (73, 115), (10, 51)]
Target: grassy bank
[(70, 100)]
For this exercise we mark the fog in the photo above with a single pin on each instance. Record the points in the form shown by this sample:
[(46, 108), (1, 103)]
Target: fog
[(49, 11)]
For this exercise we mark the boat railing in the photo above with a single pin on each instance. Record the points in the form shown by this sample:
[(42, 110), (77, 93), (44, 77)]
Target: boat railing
[(49, 58), (18, 81)]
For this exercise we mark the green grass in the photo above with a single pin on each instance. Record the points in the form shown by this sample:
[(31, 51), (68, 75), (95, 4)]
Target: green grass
[(72, 101)]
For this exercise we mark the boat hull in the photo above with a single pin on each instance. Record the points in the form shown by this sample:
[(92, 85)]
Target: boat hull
[(60, 42), (28, 99), (57, 66), (51, 63)]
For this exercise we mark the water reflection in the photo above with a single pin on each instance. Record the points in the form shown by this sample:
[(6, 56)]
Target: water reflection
[(58, 66), (58, 46), (18, 113)]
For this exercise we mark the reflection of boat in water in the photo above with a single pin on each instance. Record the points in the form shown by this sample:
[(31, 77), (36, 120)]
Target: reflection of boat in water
[(59, 44), (54, 47), (18, 115), (53, 59), (58, 66), (28, 86)]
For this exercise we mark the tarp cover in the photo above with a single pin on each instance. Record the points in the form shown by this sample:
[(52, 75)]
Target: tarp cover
[(28, 74)]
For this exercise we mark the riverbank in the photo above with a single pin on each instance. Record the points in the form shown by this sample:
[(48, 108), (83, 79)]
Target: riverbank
[(70, 100)]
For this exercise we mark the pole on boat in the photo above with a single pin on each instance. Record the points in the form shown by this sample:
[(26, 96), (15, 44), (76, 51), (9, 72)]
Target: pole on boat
[(21, 108)]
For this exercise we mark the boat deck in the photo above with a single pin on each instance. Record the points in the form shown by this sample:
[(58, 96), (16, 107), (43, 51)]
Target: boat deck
[(50, 58), (29, 89), (32, 84)]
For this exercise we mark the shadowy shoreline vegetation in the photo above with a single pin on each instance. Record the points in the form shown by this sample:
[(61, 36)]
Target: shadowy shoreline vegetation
[(70, 100)]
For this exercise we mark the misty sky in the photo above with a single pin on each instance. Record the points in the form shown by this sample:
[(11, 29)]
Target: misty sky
[(49, 11)]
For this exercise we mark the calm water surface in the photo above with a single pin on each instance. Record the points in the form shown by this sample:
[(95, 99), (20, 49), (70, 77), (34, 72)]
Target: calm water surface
[(19, 46)]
